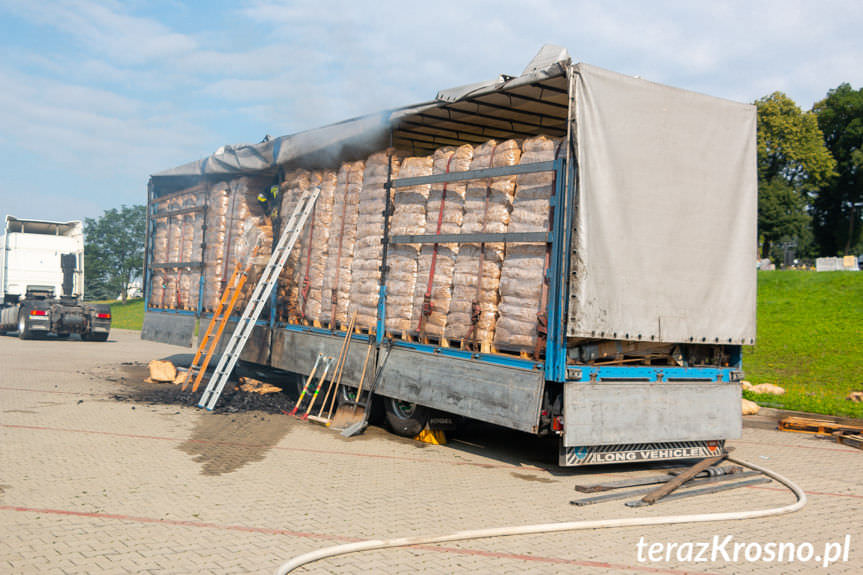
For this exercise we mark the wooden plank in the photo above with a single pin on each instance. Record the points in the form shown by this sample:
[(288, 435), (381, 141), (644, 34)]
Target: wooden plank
[(849, 439), (816, 426), (670, 486), (704, 490), (694, 483)]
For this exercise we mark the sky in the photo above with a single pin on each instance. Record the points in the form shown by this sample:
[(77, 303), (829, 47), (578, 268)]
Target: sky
[(96, 95)]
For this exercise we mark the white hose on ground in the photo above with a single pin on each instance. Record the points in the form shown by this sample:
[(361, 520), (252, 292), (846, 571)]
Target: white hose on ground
[(376, 544)]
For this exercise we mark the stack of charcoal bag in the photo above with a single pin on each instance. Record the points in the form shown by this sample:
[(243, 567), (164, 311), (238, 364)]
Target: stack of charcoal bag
[(409, 218), (295, 184), (312, 248), (191, 238), (236, 231), (476, 279), (252, 231), (365, 268), (523, 288), (444, 213), (159, 255), (216, 274), (335, 297), (173, 243)]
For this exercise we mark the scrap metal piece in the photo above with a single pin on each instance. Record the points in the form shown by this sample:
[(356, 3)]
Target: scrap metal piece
[(653, 479), (694, 483), (673, 484), (703, 491)]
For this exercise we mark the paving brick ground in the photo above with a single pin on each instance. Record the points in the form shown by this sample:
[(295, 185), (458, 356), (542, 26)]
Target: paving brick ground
[(89, 484)]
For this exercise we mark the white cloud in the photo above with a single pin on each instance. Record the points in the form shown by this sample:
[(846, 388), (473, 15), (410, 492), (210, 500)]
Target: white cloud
[(119, 90), (106, 29)]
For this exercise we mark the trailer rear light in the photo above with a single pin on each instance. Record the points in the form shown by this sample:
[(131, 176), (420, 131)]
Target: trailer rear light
[(38, 312), (103, 315)]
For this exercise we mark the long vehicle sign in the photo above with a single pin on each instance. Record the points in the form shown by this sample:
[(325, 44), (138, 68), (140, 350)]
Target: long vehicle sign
[(600, 454)]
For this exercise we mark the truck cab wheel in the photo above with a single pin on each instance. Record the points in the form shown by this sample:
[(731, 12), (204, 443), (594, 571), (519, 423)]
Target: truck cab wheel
[(405, 418), (23, 326)]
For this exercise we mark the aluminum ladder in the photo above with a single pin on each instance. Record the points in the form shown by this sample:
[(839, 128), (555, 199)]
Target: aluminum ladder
[(263, 289)]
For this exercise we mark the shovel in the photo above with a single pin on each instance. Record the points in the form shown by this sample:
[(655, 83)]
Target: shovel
[(346, 413), (337, 376), (360, 426)]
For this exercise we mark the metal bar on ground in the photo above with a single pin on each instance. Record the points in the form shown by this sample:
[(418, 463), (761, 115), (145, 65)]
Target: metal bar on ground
[(652, 479), (670, 486), (694, 483), (703, 491)]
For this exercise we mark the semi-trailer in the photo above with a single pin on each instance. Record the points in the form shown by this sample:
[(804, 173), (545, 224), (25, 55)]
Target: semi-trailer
[(564, 252)]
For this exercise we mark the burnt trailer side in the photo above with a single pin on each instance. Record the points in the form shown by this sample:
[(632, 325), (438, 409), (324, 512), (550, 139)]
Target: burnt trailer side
[(648, 296)]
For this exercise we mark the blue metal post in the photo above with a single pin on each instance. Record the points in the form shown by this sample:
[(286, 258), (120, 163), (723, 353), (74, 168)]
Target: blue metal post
[(555, 345), (148, 245), (200, 309), (385, 240)]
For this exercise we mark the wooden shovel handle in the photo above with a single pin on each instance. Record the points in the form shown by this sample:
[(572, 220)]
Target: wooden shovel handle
[(679, 480)]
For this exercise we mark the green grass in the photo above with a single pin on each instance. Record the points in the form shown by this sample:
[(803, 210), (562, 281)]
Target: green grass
[(129, 315), (810, 341)]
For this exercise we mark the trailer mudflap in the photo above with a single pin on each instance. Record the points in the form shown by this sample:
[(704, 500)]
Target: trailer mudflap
[(297, 351), (499, 394), (619, 413)]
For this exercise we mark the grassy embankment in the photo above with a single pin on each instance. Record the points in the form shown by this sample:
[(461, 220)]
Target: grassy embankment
[(810, 341), (129, 315)]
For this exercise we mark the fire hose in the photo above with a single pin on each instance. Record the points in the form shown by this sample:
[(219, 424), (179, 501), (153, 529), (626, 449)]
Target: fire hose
[(377, 544)]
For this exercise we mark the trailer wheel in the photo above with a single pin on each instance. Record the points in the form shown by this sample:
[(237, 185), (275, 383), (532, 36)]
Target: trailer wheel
[(404, 418), (348, 395), (23, 326)]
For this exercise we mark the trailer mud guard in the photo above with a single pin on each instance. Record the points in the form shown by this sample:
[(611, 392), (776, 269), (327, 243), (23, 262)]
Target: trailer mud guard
[(499, 394), (634, 421)]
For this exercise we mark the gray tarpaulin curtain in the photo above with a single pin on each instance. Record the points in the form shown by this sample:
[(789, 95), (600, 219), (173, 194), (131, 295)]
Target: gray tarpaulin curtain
[(665, 213)]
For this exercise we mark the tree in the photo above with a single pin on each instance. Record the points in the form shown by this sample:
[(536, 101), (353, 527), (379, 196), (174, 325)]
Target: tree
[(114, 251), (793, 163), (837, 218)]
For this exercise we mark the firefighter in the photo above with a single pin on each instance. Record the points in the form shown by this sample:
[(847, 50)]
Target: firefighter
[(270, 202)]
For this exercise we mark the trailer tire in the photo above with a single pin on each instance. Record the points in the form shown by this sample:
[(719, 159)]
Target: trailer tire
[(23, 327), (404, 418), (347, 396)]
